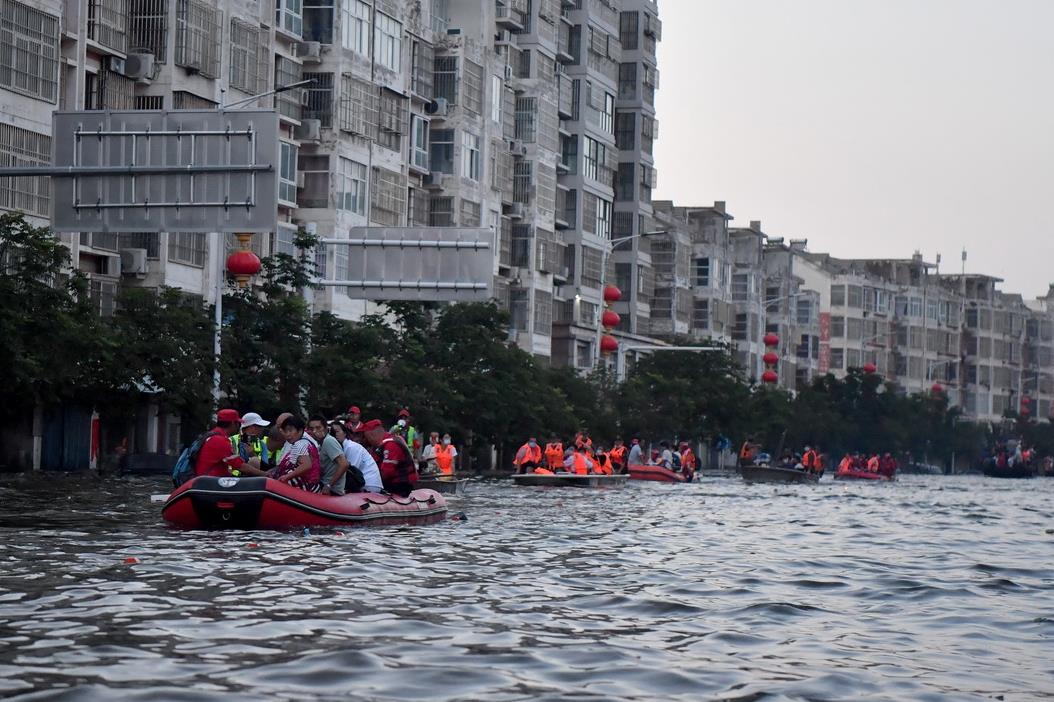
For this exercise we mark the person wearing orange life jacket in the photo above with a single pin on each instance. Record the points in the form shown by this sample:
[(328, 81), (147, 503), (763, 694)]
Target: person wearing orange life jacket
[(846, 464), (578, 462), (747, 452), (528, 457), (617, 455), (603, 464), (873, 463), (810, 460), (445, 453), (688, 461), (554, 454)]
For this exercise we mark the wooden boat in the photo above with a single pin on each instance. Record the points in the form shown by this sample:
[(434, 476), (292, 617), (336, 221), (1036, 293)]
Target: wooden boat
[(263, 503), (444, 485), (992, 471), (655, 473), (569, 480), (774, 474)]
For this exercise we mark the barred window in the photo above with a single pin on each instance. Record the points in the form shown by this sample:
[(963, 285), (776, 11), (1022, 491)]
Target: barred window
[(29, 51), (245, 52), (319, 98), (391, 120), (198, 37), (107, 90), (21, 147), (543, 312), (441, 212), (148, 28), (358, 105), (470, 213), (526, 123), (473, 87), (522, 182), (107, 23), (591, 266), (446, 81), (187, 248), (288, 72), (142, 240), (149, 102), (388, 199), (422, 60), (182, 100)]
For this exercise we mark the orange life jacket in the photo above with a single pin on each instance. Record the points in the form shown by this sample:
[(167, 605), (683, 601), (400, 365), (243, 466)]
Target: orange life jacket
[(846, 465), (579, 465), (530, 455), (747, 451), (688, 460), (603, 465), (872, 464), (554, 455), (809, 460), (445, 459), (543, 471), (618, 455)]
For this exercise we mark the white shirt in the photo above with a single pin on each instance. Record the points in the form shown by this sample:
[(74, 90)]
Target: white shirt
[(360, 458)]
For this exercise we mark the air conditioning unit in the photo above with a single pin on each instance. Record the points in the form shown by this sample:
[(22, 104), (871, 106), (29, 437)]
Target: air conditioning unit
[(300, 180), (309, 51), (133, 262), (516, 211), (434, 180), (437, 108), (116, 64), (309, 130), (139, 67), (517, 147)]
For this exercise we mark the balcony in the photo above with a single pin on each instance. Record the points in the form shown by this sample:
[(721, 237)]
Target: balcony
[(563, 46), (508, 16), (566, 103)]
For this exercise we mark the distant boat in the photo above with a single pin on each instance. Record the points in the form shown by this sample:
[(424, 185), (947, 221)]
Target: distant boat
[(993, 471), (656, 474), (863, 475), (773, 474), (445, 485), (569, 480)]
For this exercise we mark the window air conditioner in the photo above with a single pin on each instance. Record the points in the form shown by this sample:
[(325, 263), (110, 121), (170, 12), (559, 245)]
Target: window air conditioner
[(516, 211), (437, 108), (309, 130), (139, 67), (309, 51), (134, 262), (116, 64)]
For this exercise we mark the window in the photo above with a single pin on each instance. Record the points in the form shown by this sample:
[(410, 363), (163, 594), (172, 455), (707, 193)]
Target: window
[(470, 156), (629, 25), (837, 359), (107, 23), (473, 87), (147, 30), (391, 120), (388, 41), (701, 314), (624, 184), (315, 170), (495, 99), (358, 105), (470, 213), (21, 147), (29, 42), (288, 16), (318, 21), (526, 119), (543, 312), (245, 61), (287, 72), (446, 82), (854, 296), (627, 81), (603, 223), (419, 142), (838, 296), (355, 26), (591, 266), (837, 327), (607, 114), (351, 186), (422, 69), (702, 271), (198, 37), (441, 151), (287, 173), (626, 131), (741, 287), (804, 311), (741, 327), (593, 156), (518, 309), (441, 212), (318, 98), (150, 241), (187, 248), (388, 199)]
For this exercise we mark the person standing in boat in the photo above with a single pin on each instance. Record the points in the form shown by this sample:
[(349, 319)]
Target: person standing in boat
[(688, 462), (216, 457), (397, 467), (810, 460), (404, 428), (439, 455), (358, 459), (528, 457), (636, 454), (300, 466), (747, 452), (617, 455)]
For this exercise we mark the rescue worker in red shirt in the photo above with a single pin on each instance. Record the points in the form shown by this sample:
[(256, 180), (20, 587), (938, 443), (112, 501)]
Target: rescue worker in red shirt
[(398, 470), (528, 457), (688, 462), (355, 424), (216, 457)]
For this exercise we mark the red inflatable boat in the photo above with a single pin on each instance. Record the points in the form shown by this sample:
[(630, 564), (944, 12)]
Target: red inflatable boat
[(655, 473), (263, 503), (861, 475)]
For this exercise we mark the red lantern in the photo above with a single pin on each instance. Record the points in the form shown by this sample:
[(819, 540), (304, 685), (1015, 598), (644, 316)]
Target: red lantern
[(771, 339), (612, 294), (243, 265), (870, 368), (771, 358), (769, 377), (936, 389), (608, 344), (1025, 411), (1026, 400), (609, 320)]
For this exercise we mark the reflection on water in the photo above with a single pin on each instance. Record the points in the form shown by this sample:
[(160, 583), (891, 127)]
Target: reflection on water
[(931, 588)]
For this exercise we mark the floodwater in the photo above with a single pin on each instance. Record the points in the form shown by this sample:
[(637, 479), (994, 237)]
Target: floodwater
[(932, 588)]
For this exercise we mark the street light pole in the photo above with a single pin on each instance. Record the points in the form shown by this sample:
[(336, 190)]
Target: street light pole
[(607, 252)]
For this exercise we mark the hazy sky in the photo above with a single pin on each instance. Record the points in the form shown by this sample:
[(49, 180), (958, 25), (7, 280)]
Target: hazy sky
[(870, 127)]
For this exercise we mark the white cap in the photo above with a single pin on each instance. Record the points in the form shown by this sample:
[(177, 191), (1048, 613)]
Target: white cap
[(252, 419)]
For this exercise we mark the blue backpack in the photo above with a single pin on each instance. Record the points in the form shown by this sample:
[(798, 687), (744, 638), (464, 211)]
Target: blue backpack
[(184, 468)]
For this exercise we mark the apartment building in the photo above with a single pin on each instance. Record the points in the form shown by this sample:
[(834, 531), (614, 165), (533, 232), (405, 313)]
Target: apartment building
[(792, 312)]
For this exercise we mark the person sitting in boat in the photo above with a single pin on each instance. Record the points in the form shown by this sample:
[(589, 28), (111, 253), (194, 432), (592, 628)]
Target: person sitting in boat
[(300, 465), (602, 463), (873, 463), (439, 455), (617, 454), (786, 460), (338, 476), (528, 457), (888, 466), (636, 454), (846, 464), (554, 454), (579, 462), (354, 424), (398, 470), (250, 442), (216, 457), (358, 458), (688, 462), (748, 451), (666, 460)]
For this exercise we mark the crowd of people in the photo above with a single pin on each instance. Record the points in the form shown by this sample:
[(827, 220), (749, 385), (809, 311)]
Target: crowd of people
[(810, 459), (328, 456), (858, 462), (581, 457)]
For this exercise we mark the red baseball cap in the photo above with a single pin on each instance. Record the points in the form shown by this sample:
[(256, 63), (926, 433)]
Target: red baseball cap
[(228, 415), (372, 424), (354, 410), (404, 412)]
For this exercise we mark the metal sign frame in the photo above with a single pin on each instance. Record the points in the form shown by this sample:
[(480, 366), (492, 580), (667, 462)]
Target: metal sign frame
[(165, 170)]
